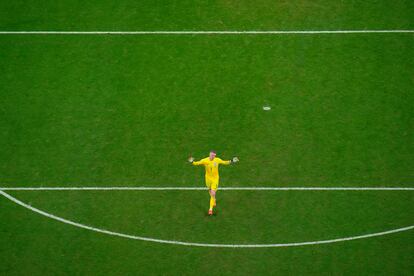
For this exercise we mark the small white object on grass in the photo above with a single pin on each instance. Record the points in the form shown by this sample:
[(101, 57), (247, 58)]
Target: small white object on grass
[(266, 108)]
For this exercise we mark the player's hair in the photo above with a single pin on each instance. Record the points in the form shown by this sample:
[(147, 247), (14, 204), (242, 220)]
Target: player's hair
[(213, 151)]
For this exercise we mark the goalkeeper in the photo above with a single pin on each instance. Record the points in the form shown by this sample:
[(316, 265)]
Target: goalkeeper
[(211, 165)]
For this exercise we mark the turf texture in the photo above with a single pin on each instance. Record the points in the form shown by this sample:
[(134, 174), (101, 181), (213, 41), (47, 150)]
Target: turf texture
[(128, 111)]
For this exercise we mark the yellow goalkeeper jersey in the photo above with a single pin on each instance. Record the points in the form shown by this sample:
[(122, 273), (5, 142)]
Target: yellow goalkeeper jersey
[(211, 166)]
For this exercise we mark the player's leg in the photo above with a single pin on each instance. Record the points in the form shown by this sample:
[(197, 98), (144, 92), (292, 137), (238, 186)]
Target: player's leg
[(212, 201), (212, 198), (208, 184), (215, 200), (214, 186)]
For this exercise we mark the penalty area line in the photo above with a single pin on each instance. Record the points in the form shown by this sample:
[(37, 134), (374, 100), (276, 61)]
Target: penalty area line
[(174, 242), (252, 32), (203, 188)]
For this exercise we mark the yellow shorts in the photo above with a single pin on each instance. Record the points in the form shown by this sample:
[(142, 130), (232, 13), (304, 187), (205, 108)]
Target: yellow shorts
[(212, 183)]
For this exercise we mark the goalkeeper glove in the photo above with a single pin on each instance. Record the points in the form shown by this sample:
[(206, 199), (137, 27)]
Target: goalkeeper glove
[(235, 160), (191, 159)]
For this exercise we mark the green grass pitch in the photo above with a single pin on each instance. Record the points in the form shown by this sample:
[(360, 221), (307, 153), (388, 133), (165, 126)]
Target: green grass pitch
[(109, 111)]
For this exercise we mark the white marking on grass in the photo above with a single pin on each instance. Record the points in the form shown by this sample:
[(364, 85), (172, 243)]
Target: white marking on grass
[(111, 233), (266, 108), (270, 32), (203, 188)]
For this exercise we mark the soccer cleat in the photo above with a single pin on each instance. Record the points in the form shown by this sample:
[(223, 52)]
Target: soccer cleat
[(210, 212)]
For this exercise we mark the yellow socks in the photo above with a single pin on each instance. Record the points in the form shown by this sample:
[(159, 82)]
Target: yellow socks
[(211, 203)]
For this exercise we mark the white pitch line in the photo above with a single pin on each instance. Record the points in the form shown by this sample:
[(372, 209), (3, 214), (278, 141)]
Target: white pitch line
[(203, 188), (111, 233), (270, 32)]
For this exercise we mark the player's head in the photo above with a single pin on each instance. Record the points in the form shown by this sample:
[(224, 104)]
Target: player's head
[(212, 154)]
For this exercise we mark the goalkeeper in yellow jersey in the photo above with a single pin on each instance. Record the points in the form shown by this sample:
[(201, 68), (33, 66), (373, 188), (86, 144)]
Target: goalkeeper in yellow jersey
[(211, 165)]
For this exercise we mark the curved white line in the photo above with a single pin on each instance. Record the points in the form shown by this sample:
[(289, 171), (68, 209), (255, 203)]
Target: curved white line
[(197, 244)]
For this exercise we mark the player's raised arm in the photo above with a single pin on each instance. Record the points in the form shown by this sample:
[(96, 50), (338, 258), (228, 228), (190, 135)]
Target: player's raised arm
[(195, 163), (224, 162), (228, 162)]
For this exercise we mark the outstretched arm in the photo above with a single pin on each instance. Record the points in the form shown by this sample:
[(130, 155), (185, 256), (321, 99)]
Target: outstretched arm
[(195, 163), (224, 162), (228, 162)]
